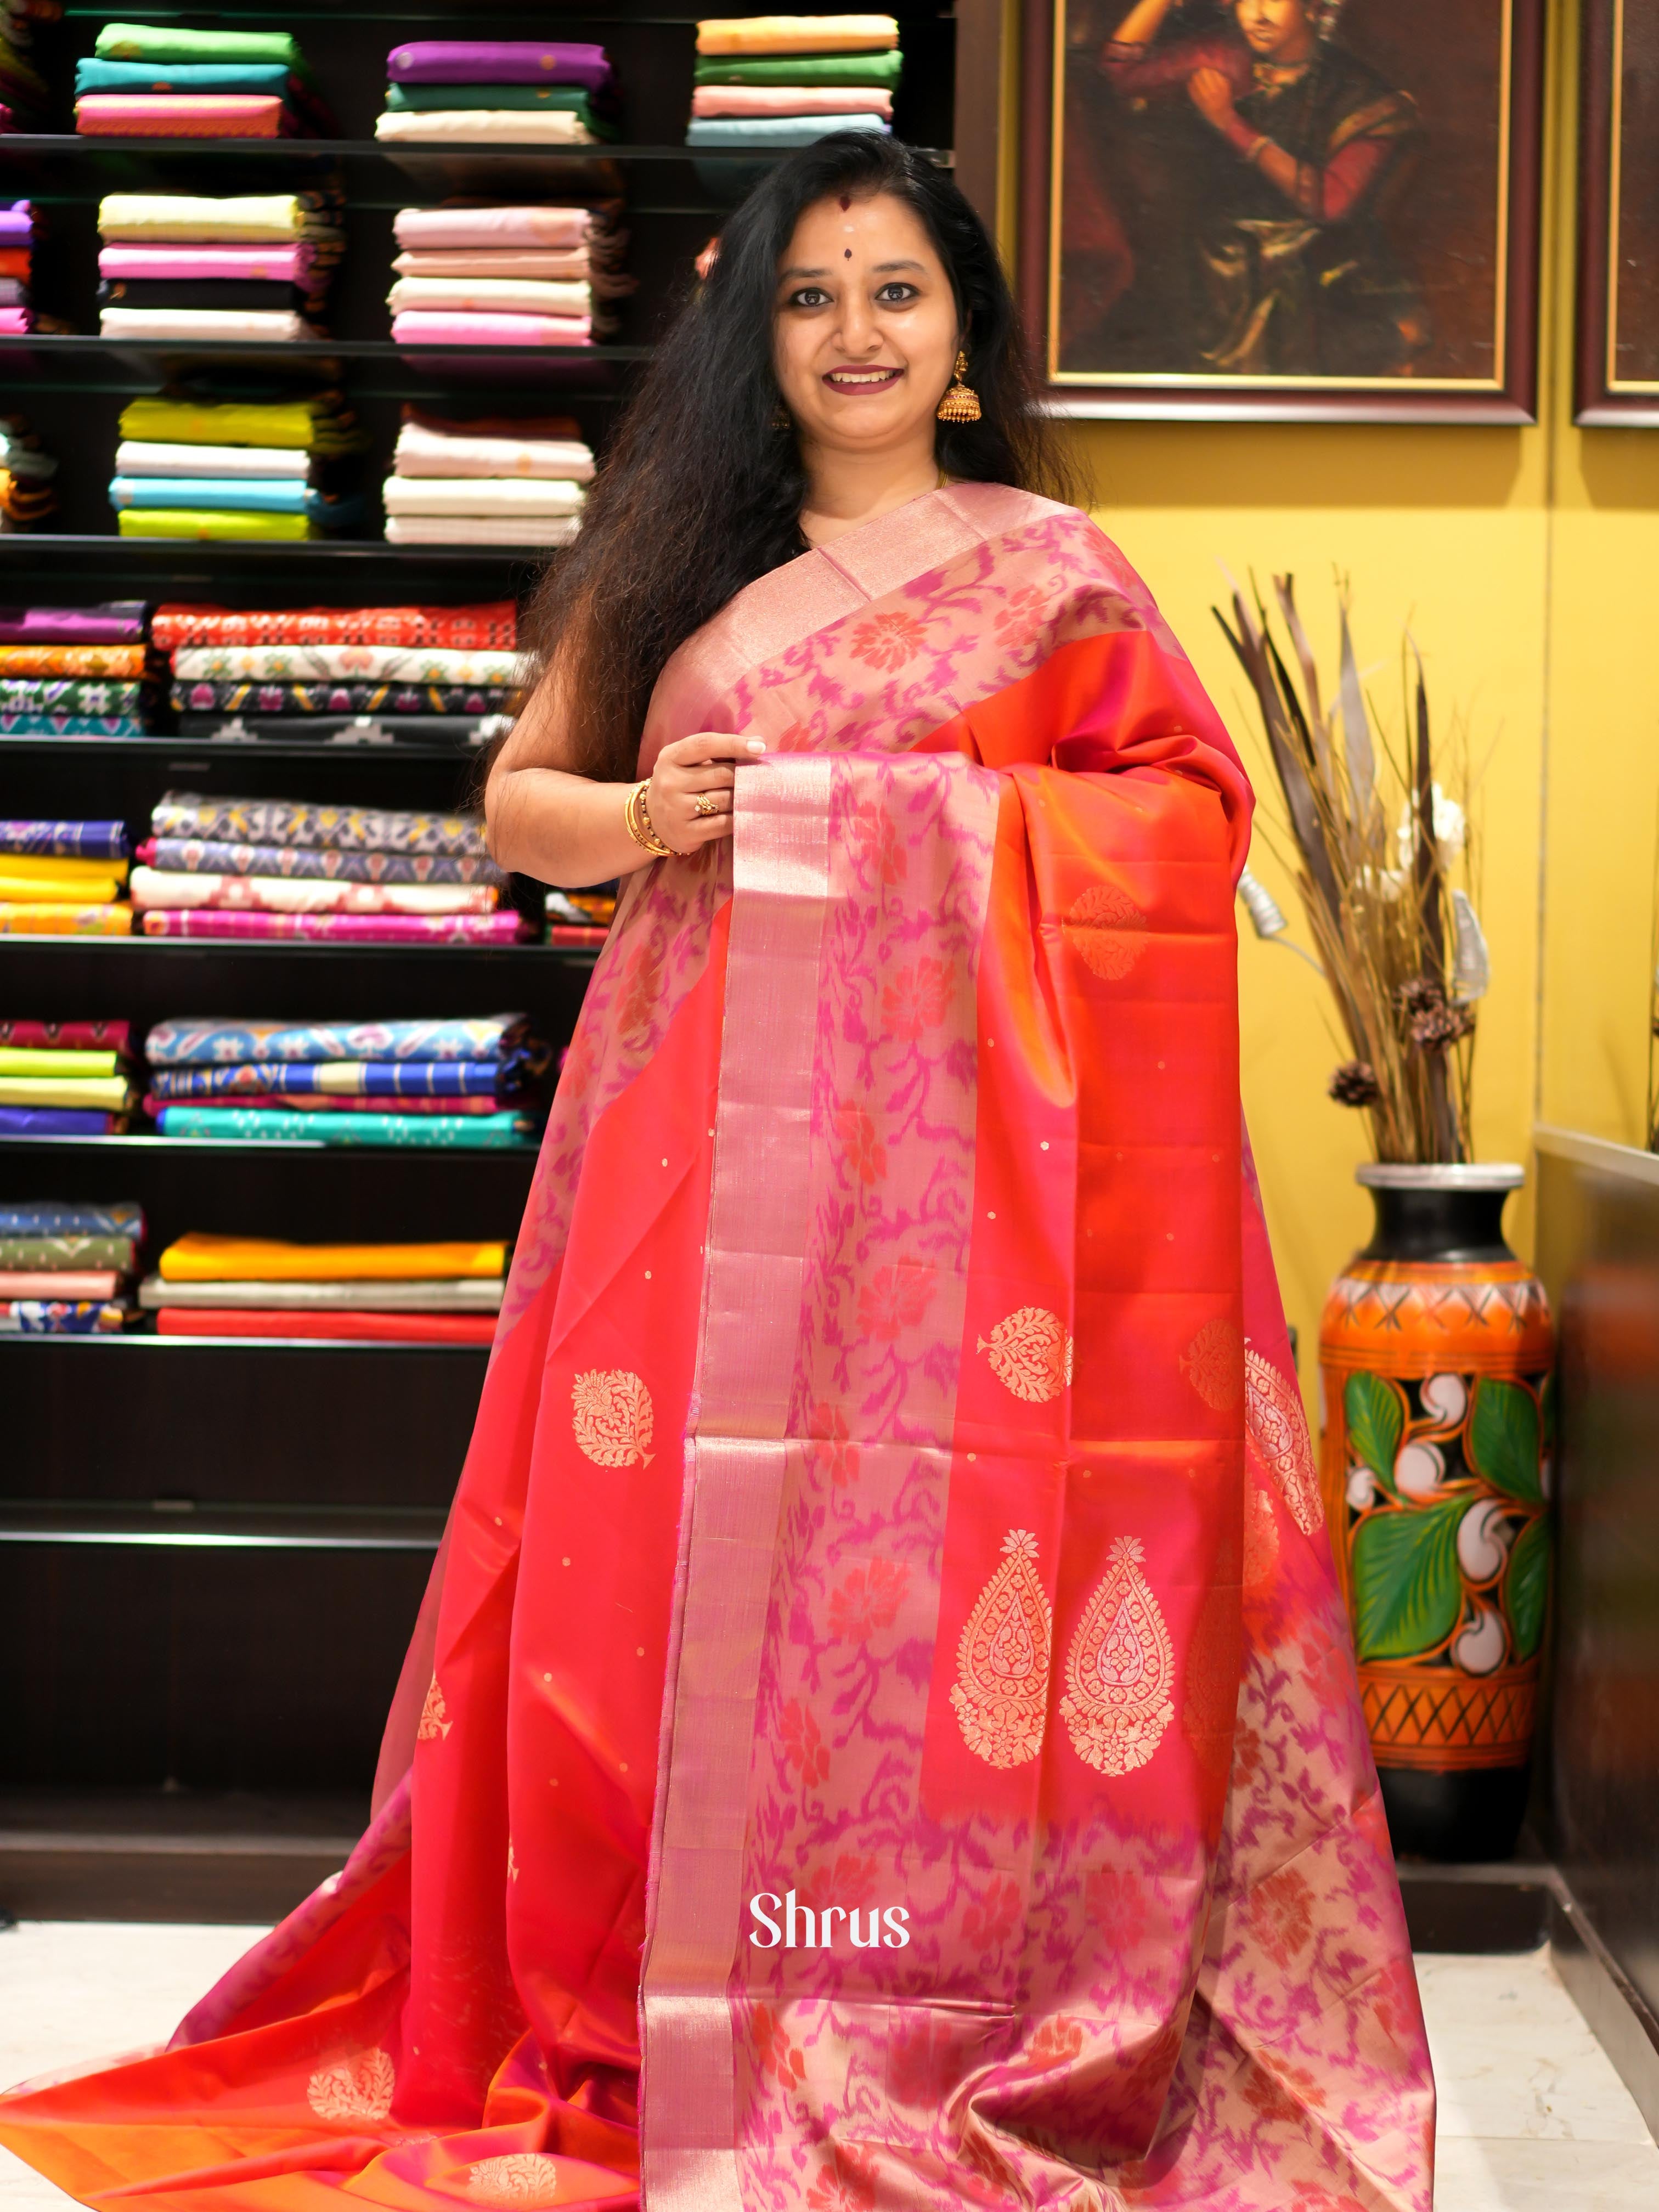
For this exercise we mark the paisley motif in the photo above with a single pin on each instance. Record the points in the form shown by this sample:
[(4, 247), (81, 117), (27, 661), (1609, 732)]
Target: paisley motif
[(1278, 1429), (611, 1417), (1120, 1670), (355, 2088), (1001, 1691), (522, 2177), (435, 1715), (511, 1863), (1213, 1363), (1107, 930), (1031, 1354)]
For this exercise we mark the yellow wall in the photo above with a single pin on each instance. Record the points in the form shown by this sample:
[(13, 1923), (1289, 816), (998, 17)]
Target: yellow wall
[(1526, 562)]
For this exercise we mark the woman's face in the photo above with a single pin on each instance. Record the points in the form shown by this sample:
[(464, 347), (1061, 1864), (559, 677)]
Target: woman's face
[(1276, 30), (865, 332)]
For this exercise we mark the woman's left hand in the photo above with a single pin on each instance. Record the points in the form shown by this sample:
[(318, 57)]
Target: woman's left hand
[(690, 801)]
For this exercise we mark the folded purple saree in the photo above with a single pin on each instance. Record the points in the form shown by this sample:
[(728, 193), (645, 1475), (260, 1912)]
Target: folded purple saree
[(498, 61), (116, 622)]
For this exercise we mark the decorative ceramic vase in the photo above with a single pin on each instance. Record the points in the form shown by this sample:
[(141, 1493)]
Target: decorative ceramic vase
[(1436, 1350)]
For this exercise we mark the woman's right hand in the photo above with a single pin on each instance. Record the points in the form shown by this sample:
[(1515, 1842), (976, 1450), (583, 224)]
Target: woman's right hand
[(685, 771)]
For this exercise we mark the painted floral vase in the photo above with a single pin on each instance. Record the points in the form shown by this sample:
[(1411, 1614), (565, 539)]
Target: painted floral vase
[(1436, 1352)]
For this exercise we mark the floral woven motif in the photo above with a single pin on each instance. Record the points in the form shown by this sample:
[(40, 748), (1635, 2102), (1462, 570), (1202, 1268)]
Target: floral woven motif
[(355, 2088), (1120, 1669), (1107, 930), (1213, 1363), (610, 1418), (522, 2176), (1001, 1693), (1031, 1354)]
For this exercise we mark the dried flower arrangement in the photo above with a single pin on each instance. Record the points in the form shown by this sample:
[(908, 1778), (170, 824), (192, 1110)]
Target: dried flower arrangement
[(1373, 842)]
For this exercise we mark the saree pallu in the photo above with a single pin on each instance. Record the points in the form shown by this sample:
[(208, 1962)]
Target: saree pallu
[(890, 1503), (182, 1042)]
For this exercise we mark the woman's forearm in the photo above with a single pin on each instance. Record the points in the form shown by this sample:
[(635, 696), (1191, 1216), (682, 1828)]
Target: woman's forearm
[(560, 829), (1142, 23)]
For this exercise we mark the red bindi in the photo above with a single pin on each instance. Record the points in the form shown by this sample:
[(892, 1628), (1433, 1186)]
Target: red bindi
[(845, 202), (846, 252)]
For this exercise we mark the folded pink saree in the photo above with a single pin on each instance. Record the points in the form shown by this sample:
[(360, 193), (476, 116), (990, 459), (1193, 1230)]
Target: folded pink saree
[(449, 229), (882, 1730), (459, 327), (183, 115), (502, 928)]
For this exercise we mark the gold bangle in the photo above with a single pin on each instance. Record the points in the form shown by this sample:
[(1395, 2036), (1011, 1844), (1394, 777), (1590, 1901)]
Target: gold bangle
[(637, 814)]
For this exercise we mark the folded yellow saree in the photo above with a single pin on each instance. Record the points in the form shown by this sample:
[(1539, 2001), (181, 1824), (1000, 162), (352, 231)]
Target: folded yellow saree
[(20, 1060), (201, 1259), (39, 917), (99, 885), (796, 35), (62, 868), (102, 1094)]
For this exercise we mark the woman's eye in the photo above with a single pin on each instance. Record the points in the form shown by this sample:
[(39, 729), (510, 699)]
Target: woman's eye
[(896, 294), (810, 295)]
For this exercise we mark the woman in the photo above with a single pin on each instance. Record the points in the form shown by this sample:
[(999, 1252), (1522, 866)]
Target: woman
[(1288, 150), (890, 1521)]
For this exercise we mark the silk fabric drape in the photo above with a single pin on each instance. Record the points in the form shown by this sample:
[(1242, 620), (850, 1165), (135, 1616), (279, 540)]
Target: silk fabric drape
[(891, 1502)]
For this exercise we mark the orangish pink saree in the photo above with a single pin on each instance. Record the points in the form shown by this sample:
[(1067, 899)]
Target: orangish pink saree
[(882, 1730)]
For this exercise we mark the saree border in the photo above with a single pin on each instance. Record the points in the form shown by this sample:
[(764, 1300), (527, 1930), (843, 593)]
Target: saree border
[(753, 1279)]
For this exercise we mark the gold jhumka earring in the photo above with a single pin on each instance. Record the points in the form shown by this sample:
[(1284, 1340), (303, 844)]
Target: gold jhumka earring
[(961, 403)]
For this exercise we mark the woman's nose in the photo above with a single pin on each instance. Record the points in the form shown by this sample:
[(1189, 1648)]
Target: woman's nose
[(858, 333)]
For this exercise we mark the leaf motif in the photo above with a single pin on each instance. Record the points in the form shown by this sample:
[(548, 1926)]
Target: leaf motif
[(1503, 1439), (1376, 1417), (1407, 1589), (1525, 1586)]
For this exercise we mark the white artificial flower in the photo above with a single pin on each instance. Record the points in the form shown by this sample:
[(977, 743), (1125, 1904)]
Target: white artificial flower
[(1451, 828)]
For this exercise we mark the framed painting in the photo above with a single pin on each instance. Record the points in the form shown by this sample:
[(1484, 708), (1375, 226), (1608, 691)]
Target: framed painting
[(1284, 209), (1617, 379)]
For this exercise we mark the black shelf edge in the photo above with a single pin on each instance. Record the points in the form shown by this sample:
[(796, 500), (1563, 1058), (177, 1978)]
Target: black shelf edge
[(62, 343), (220, 747), (136, 1340), (397, 153)]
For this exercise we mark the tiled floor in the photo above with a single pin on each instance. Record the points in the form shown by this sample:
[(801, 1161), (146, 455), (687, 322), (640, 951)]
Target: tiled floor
[(1533, 2119)]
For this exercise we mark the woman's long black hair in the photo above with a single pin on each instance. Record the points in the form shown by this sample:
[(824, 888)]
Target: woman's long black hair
[(701, 491)]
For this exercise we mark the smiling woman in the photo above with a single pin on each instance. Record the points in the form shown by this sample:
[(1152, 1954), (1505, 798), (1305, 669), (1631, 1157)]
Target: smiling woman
[(890, 1500)]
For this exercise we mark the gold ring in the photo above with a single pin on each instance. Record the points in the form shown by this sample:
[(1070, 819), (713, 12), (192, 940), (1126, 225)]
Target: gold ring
[(705, 804)]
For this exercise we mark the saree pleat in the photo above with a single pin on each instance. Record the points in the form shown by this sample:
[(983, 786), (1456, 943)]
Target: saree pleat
[(891, 1523)]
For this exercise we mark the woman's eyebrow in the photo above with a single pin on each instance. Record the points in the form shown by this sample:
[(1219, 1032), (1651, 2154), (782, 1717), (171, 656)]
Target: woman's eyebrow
[(785, 275), (882, 267)]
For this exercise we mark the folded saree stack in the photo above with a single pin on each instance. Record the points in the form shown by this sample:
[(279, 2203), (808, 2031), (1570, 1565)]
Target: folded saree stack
[(492, 482), (290, 667), (788, 79), (162, 80), (67, 1270), (64, 1079), (251, 268), (74, 673), (283, 868), (466, 1084), (19, 230), (236, 469), (487, 278), (461, 91), (65, 880), (28, 495), (446, 1293)]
